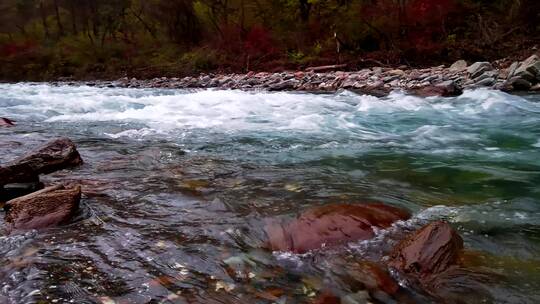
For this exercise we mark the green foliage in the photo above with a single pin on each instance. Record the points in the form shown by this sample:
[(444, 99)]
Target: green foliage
[(201, 60)]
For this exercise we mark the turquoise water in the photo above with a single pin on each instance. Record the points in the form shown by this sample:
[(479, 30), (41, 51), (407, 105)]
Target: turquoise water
[(179, 184)]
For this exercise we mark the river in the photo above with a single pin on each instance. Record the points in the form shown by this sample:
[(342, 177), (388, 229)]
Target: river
[(180, 183)]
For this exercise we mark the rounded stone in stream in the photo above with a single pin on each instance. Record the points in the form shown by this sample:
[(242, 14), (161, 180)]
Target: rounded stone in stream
[(332, 225), (48, 207), (55, 155), (11, 191), (430, 250)]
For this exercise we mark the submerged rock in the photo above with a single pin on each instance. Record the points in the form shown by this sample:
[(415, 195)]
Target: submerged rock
[(431, 259), (431, 250), (11, 191), (55, 155), (332, 225), (4, 122), (48, 207)]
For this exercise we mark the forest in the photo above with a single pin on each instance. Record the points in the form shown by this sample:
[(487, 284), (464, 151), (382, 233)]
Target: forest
[(106, 39)]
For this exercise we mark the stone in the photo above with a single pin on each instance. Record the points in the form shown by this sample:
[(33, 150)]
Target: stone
[(11, 191), (332, 225), (431, 250), (485, 75), (458, 66), (486, 82), (283, 85), (53, 156), (359, 297), (530, 65), (45, 208), (512, 69), (525, 75), (396, 72), (478, 68), (519, 84), (5, 122), (457, 283), (536, 87), (445, 89)]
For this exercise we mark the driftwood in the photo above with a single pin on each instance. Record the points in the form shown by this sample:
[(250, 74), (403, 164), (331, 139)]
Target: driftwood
[(56, 155), (48, 207), (326, 68)]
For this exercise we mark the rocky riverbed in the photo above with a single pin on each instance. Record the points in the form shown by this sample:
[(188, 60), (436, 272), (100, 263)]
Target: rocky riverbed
[(379, 81), (426, 257)]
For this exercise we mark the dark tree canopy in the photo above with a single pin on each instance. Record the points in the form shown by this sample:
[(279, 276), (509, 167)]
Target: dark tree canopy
[(44, 39)]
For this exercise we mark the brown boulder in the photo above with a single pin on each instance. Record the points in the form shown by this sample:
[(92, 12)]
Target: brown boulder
[(430, 250), (48, 207), (4, 122), (55, 155), (332, 225), (445, 89)]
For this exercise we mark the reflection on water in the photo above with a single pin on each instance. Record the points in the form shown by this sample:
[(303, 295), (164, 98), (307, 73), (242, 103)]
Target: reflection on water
[(178, 186)]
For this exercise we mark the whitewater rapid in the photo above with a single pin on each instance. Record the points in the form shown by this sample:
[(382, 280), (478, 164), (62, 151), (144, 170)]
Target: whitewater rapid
[(397, 119)]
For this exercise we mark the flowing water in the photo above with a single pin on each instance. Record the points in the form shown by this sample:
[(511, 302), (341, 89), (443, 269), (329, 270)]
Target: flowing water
[(178, 186)]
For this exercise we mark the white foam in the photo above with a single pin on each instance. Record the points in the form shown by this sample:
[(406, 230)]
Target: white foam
[(134, 133), (343, 117)]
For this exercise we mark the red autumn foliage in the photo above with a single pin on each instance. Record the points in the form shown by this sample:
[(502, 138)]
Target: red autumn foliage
[(419, 24), (259, 42), (16, 48)]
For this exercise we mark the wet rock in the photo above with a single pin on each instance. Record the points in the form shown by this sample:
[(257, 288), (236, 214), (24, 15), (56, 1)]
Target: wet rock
[(456, 283), (519, 84), (512, 69), (359, 297), (431, 250), (327, 298), (446, 88), (5, 122), (478, 68), (283, 85), (11, 191), (45, 208), (53, 156), (332, 225), (431, 261), (372, 276), (536, 87), (485, 82), (530, 66), (458, 66)]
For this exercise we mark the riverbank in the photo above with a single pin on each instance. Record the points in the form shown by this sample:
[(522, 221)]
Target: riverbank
[(436, 81)]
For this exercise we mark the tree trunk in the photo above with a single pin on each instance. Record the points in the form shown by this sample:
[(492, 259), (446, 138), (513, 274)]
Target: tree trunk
[(44, 19), (73, 17), (58, 21)]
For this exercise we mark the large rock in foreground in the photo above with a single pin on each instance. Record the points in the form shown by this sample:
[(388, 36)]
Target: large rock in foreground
[(332, 225), (45, 208), (55, 155), (431, 250), (430, 258)]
